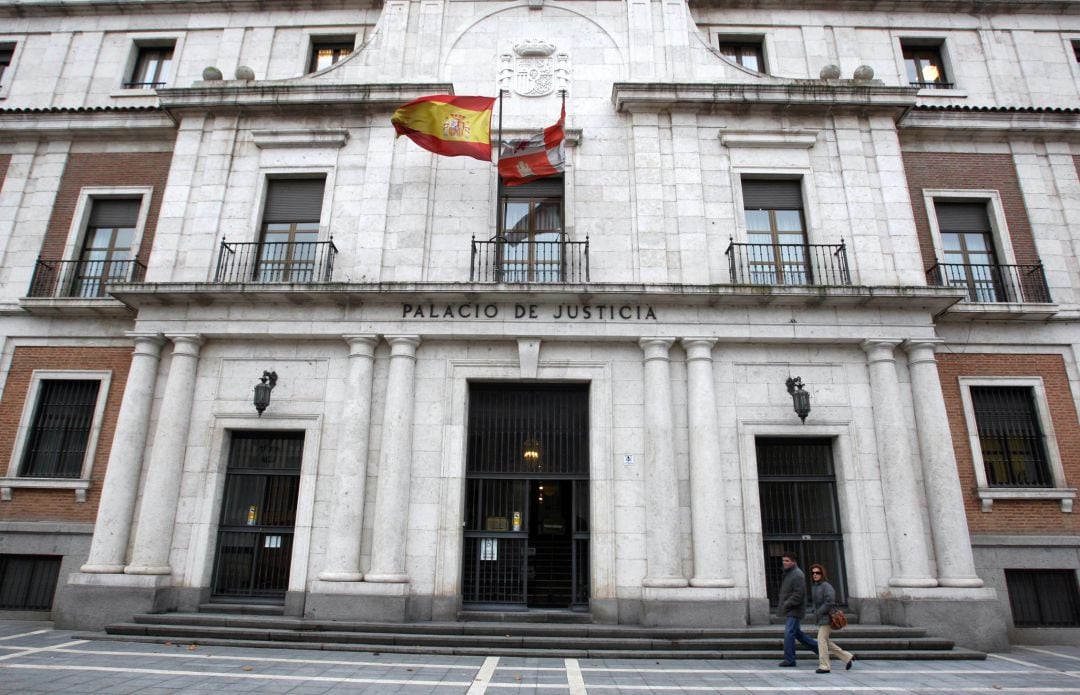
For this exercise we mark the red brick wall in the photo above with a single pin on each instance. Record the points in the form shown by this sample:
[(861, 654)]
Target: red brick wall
[(106, 169), (5, 161), (1014, 516), (59, 505), (953, 170)]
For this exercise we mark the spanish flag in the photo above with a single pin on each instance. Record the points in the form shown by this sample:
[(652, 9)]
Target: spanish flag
[(447, 125)]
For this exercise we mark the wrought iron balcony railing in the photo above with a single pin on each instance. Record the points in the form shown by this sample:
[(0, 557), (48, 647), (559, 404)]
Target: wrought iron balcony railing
[(143, 85), (81, 279), (932, 85), (278, 261), (988, 284), (514, 258), (788, 265)]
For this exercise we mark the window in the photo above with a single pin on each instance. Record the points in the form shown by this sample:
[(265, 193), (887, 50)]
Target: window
[(1010, 437), (745, 52), (152, 67), (328, 51), (531, 240), (775, 253), (1043, 598), (28, 582), (967, 241), (1076, 50), (106, 251), (7, 52), (59, 433), (289, 246), (924, 64)]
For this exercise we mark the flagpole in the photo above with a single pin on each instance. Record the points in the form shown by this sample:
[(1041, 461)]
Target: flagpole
[(498, 179)]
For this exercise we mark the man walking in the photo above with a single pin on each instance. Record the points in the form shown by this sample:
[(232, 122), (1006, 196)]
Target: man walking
[(793, 608)]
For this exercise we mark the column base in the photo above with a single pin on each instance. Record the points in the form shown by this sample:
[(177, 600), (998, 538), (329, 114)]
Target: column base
[(102, 569), (341, 577), (960, 582), (361, 601), (705, 583), (972, 618), (665, 582), (92, 601), (913, 582), (387, 578), (693, 607), (148, 569)]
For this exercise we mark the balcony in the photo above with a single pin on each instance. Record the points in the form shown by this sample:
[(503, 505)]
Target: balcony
[(274, 262), (81, 279), (990, 284), (517, 259), (788, 265)]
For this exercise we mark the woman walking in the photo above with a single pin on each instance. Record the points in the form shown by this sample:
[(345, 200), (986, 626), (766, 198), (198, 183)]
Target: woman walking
[(824, 604)]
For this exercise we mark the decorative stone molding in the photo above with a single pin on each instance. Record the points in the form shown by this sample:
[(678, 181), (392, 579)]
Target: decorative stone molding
[(279, 139), (793, 140), (534, 47)]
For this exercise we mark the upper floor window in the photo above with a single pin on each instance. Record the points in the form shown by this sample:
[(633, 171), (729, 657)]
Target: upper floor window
[(153, 65), (107, 246), (531, 243), (288, 248), (775, 253), (970, 260), (925, 65), (57, 441), (745, 52), (1010, 436), (7, 52), (328, 51)]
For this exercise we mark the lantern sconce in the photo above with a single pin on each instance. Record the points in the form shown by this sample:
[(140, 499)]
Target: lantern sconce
[(262, 390), (530, 451), (799, 398)]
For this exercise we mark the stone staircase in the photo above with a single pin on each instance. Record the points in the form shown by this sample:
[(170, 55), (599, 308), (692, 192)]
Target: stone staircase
[(560, 634)]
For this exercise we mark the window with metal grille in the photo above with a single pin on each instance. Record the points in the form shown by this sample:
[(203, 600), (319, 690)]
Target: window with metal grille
[(1043, 598), (1010, 436), (152, 67), (28, 582), (329, 51), (60, 429), (744, 52)]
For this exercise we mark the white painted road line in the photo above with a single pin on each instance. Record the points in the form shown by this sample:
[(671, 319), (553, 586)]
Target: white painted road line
[(1051, 653), (574, 677), (831, 688), (25, 634), (483, 677), (1044, 669), (38, 650), (262, 659)]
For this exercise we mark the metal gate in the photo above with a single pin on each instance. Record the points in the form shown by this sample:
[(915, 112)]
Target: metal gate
[(258, 516), (799, 509), (526, 538)]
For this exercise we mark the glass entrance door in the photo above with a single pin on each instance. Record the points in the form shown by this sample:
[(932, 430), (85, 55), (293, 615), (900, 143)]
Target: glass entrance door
[(799, 509), (258, 516)]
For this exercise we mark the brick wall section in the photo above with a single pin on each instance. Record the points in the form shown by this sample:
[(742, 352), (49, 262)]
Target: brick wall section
[(5, 161), (106, 169), (59, 505), (1015, 516), (958, 170)]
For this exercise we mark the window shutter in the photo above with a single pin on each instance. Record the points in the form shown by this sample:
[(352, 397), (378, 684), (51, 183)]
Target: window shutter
[(294, 200), (962, 217), (547, 187), (115, 213), (761, 194)]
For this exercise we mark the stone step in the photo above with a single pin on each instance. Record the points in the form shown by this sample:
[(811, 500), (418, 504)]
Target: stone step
[(243, 608)]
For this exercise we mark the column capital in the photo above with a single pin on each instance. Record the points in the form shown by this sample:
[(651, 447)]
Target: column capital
[(361, 345), (185, 343), (656, 348), (880, 349), (698, 348), (146, 343), (403, 345), (921, 349)]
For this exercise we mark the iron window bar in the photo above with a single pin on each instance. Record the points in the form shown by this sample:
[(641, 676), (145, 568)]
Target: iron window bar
[(82, 279), (276, 262), (504, 258), (989, 284), (932, 85), (143, 85), (788, 265)]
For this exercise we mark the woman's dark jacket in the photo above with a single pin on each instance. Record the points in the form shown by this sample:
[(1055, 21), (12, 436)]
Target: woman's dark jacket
[(824, 597)]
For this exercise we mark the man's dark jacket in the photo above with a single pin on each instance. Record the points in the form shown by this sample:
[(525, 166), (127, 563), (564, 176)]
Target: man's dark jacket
[(793, 594)]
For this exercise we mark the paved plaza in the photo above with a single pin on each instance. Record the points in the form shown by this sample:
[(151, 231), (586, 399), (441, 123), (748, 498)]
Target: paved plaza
[(37, 659)]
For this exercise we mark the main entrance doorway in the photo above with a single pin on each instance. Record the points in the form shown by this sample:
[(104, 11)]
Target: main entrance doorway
[(258, 516), (526, 532), (799, 509)]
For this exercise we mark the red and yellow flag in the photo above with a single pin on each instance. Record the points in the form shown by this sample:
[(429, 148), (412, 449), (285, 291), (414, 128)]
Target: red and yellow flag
[(447, 125)]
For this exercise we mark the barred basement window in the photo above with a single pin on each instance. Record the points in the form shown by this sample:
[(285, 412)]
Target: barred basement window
[(1043, 598), (1010, 436), (60, 429), (28, 582)]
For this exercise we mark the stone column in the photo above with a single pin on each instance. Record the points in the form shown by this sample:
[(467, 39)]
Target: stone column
[(944, 499), (350, 470), (161, 489), (662, 541), (907, 535), (395, 465), (108, 548), (707, 511)]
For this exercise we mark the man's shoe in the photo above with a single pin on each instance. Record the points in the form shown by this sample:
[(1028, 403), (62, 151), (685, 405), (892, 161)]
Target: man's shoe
[(849, 663), (823, 670), (786, 664)]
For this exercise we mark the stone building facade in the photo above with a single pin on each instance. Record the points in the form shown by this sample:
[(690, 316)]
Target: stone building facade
[(572, 395)]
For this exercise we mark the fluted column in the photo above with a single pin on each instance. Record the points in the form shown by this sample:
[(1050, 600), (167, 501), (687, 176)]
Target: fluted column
[(662, 540), (108, 548), (944, 499), (707, 511), (350, 470), (395, 463), (907, 535), (161, 489)]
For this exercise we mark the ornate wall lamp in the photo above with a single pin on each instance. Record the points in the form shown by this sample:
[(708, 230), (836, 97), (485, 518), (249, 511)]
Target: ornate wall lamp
[(799, 398), (262, 391), (530, 452)]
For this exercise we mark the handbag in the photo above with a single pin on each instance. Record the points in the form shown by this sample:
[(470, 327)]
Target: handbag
[(837, 619)]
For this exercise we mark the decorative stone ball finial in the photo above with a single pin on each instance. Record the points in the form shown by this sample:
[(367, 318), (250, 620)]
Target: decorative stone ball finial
[(864, 73), (211, 74), (245, 73), (830, 72)]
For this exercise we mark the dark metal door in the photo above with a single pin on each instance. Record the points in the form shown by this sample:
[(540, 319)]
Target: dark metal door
[(526, 538), (258, 516), (799, 509)]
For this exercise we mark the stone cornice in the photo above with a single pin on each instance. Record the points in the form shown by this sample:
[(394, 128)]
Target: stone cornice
[(1043, 121), (935, 6), (630, 97), (64, 8), (99, 122)]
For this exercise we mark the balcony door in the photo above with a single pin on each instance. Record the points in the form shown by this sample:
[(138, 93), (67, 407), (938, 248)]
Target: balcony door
[(967, 241), (107, 245), (288, 248), (776, 233), (531, 231)]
